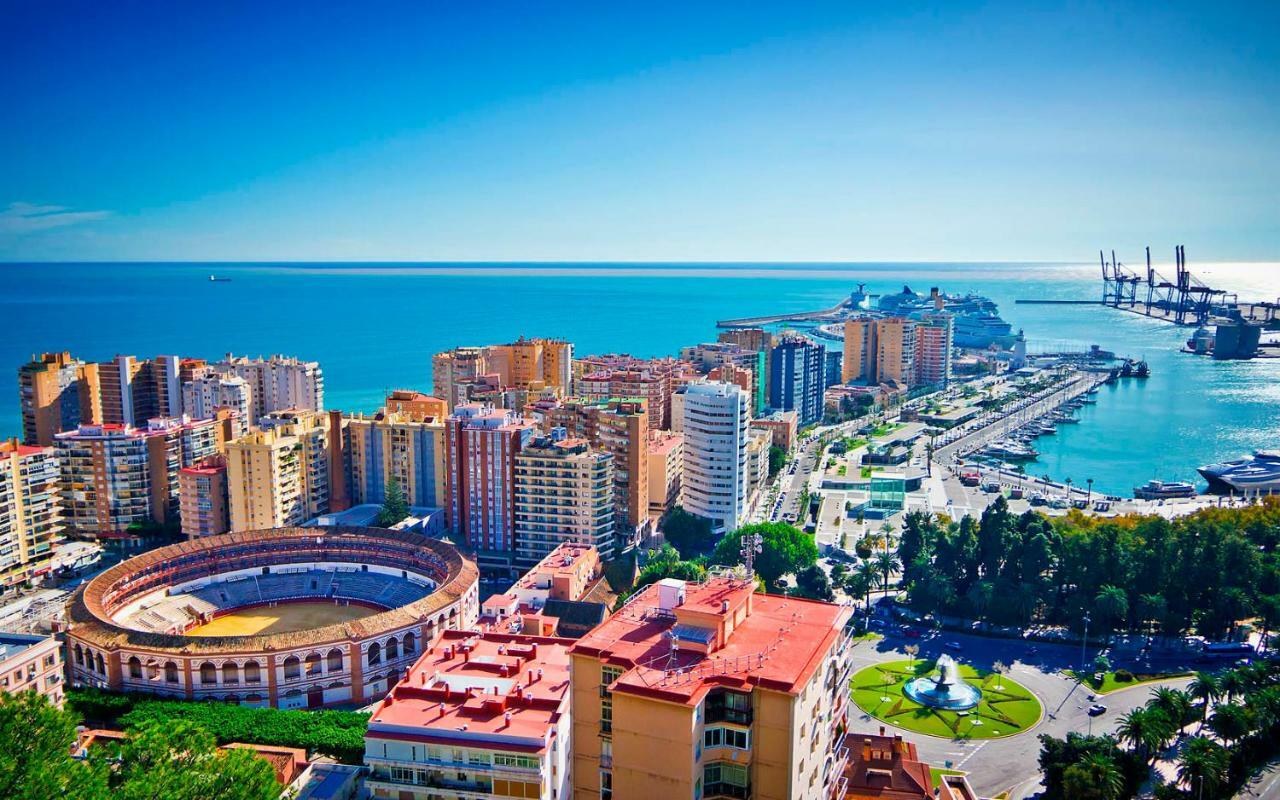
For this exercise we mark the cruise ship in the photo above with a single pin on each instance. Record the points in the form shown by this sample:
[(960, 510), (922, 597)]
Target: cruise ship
[(1259, 474)]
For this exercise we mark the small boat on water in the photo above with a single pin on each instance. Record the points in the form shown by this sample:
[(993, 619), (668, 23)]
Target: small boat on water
[(1142, 370), (216, 279), (1161, 490), (1011, 451)]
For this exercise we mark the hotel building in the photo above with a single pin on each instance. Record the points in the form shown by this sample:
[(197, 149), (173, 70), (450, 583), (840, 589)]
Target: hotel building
[(203, 499), (481, 443), (113, 476), (405, 446), (666, 468), (279, 476), (798, 378), (708, 690), (49, 394), (32, 663), (30, 512), (479, 715), (714, 418), (563, 493), (277, 383)]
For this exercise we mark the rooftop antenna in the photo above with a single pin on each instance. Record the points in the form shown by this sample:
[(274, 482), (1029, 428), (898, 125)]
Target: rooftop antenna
[(751, 545)]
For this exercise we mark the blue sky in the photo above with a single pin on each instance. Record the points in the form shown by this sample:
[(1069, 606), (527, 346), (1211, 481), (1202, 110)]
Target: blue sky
[(645, 131)]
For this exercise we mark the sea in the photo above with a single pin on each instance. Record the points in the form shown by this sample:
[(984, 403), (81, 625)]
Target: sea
[(374, 327)]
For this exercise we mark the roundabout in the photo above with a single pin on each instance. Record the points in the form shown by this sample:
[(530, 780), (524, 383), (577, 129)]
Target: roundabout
[(945, 699)]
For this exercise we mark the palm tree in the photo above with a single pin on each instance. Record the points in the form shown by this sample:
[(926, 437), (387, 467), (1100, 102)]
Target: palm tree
[(999, 667), (1231, 722), (868, 572), (1205, 688), (1096, 775), (1233, 684), (912, 650), (1203, 765), (886, 562), (1089, 497), (1068, 483), (1145, 730), (1176, 705)]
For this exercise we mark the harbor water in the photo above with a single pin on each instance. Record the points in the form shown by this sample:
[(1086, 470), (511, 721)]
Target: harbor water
[(375, 327)]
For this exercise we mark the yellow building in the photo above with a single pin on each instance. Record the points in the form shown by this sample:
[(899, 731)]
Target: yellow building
[(879, 351), (30, 511), (48, 389), (402, 446), (709, 690), (527, 365), (279, 476)]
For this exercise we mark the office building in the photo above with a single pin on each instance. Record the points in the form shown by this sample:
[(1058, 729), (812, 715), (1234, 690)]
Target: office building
[(49, 396), (714, 418), (277, 383), (404, 446), (934, 344), (202, 498), (117, 480), (278, 476), (666, 468), (479, 715), (30, 512), (711, 690), (481, 443), (563, 493), (32, 663), (207, 392), (798, 378)]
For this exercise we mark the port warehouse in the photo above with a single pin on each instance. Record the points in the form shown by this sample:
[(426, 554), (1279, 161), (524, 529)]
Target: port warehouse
[(114, 643)]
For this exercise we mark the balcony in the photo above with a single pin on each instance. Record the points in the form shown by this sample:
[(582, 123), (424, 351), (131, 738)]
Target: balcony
[(713, 791)]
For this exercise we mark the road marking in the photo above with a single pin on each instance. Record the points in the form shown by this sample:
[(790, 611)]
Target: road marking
[(976, 748)]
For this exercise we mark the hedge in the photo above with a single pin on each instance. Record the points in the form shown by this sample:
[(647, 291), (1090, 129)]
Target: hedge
[(338, 734)]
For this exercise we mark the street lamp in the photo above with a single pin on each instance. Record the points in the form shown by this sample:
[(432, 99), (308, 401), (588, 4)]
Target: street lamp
[(1084, 644), (1089, 497)]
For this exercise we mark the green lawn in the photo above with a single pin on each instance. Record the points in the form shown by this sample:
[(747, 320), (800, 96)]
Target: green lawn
[(1110, 683), (1006, 707), (936, 774)]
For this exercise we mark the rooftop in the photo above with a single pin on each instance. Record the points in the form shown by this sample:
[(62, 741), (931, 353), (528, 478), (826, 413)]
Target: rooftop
[(12, 644), (506, 689), (732, 637)]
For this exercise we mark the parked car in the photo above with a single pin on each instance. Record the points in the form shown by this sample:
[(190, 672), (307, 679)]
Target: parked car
[(1097, 710)]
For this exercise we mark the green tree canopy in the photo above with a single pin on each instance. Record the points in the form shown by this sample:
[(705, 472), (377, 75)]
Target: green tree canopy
[(812, 582), (688, 533), (785, 550), (35, 753), (180, 761), (395, 507)]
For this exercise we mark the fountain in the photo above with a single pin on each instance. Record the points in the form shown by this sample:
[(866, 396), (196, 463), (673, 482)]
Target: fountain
[(944, 689)]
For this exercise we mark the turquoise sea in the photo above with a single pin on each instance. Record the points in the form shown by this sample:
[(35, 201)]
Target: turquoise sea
[(374, 328)]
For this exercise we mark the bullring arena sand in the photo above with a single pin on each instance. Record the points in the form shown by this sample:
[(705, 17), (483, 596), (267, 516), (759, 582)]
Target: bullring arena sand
[(281, 618)]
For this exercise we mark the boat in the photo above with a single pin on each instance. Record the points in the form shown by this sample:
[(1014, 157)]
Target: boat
[(1162, 490), (1142, 370), (1089, 401), (216, 279), (1011, 451), (1259, 474)]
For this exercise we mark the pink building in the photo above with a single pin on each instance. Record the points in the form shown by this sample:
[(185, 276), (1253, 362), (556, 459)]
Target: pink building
[(31, 662)]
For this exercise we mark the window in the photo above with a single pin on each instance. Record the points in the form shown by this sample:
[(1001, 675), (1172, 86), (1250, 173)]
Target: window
[(606, 786), (723, 778), (292, 668), (726, 737)]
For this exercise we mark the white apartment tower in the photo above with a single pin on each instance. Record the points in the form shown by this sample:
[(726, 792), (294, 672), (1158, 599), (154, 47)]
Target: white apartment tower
[(715, 418), (278, 383)]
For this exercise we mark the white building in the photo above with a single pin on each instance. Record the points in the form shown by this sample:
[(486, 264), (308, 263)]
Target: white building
[(715, 418), (278, 383), (204, 394)]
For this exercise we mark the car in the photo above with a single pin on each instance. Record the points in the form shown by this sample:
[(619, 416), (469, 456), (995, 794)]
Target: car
[(953, 646), (1097, 710)]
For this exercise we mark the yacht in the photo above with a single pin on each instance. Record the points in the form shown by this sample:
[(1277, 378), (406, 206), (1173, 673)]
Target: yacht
[(1257, 475), (1161, 490), (1011, 451)]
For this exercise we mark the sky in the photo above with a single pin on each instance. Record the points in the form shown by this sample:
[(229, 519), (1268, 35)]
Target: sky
[(648, 131)]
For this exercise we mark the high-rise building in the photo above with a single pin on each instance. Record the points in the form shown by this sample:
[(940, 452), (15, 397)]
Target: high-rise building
[(620, 427), (666, 468), (711, 690), (710, 355), (126, 391), (279, 476), (563, 493), (714, 420), (202, 498), (277, 383), (48, 392), (479, 715), (403, 446), (934, 339), (526, 365), (30, 511), (116, 477), (481, 443), (759, 440), (798, 378), (880, 351), (207, 392), (653, 380)]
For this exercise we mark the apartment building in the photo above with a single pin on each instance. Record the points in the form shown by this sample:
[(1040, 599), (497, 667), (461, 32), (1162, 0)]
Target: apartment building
[(652, 380), (479, 715), (30, 512), (416, 404), (128, 391), (881, 766), (563, 493), (114, 477), (203, 498), (798, 378), (712, 355), (935, 333), (277, 383), (666, 468), (880, 351), (49, 396), (481, 444), (759, 441), (279, 475), (206, 392), (714, 418), (709, 690), (32, 663), (784, 425), (405, 446), (527, 365)]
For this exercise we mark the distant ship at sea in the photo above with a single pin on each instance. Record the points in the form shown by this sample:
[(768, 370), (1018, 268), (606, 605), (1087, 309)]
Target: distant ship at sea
[(216, 279)]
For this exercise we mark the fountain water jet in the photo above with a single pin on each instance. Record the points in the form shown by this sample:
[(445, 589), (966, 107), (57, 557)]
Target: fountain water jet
[(944, 689)]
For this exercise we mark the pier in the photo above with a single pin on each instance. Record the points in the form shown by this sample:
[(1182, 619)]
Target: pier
[(799, 316), (1186, 300)]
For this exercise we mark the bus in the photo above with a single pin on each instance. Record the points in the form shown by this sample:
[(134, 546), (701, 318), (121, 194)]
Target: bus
[(1227, 650)]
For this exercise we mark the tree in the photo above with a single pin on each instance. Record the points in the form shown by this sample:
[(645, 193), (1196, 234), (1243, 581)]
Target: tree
[(860, 582), (395, 507), (1175, 704), (1095, 777), (1231, 722), (785, 550), (1145, 730), (999, 668), (180, 761), (665, 562), (1202, 766), (812, 582), (1112, 606), (886, 562), (912, 650), (1205, 688), (35, 753), (777, 459), (688, 533)]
